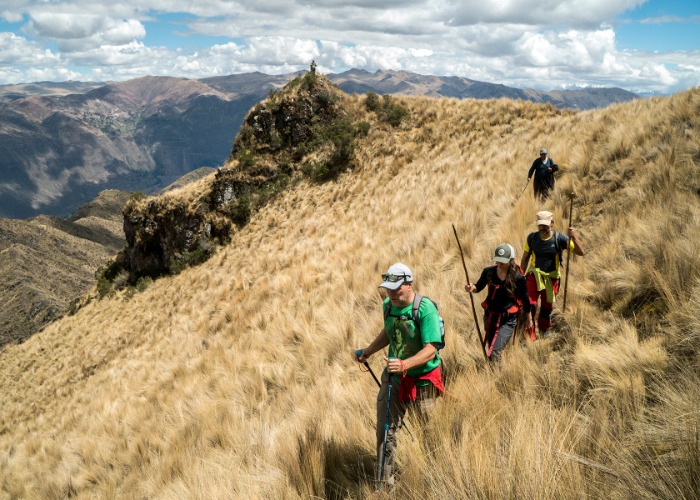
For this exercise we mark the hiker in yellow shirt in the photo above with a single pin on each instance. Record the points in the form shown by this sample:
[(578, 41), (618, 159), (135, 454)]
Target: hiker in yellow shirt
[(542, 264)]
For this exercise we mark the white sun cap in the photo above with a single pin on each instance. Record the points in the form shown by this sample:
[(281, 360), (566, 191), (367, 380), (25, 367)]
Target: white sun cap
[(395, 276)]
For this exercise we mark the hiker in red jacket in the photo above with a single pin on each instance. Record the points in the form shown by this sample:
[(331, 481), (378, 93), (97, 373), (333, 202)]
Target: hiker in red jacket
[(507, 294)]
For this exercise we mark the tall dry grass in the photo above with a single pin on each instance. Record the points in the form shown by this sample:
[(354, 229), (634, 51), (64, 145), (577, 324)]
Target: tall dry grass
[(234, 378)]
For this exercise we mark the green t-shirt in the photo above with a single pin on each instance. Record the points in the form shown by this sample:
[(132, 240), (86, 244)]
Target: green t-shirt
[(403, 341)]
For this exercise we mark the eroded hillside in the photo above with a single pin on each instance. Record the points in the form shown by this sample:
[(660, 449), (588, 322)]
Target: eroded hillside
[(47, 264), (212, 383)]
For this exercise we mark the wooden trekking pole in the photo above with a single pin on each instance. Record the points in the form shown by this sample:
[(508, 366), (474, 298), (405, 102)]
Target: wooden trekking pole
[(466, 273), (526, 184), (521, 192), (568, 250)]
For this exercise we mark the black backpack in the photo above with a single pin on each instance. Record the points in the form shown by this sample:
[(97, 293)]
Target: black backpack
[(414, 316), (557, 242)]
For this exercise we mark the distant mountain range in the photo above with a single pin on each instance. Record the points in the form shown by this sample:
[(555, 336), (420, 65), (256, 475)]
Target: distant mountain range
[(359, 81), (59, 151), (63, 143)]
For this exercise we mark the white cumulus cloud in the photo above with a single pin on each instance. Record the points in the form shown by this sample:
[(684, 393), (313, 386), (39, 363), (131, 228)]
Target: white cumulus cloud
[(538, 43)]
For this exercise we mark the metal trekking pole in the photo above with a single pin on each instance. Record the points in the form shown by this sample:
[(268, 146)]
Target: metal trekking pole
[(386, 429), (568, 251), (379, 384), (476, 321), (359, 353)]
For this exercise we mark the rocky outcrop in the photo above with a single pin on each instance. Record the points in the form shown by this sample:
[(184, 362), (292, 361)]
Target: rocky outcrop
[(62, 143), (286, 120), (163, 236), (271, 150)]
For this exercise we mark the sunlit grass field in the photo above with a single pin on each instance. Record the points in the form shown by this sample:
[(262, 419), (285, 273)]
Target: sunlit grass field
[(234, 379)]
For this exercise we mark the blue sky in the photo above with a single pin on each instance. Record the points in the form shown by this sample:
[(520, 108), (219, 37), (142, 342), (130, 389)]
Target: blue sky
[(660, 26), (643, 46)]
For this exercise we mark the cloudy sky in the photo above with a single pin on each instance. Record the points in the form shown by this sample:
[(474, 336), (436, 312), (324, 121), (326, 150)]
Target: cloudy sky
[(638, 45)]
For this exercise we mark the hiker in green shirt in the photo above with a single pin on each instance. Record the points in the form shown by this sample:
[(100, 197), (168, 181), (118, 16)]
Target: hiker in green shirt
[(413, 363)]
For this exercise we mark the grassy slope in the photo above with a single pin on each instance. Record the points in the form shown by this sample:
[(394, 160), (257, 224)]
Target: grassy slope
[(213, 383)]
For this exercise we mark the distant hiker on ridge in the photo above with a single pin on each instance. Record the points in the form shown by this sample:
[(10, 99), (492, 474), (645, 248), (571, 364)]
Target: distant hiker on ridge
[(542, 271), (507, 295), (543, 169), (413, 362)]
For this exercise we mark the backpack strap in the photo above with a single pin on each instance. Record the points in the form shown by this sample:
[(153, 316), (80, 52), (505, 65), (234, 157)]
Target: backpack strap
[(414, 310), (557, 244), (530, 243), (489, 277)]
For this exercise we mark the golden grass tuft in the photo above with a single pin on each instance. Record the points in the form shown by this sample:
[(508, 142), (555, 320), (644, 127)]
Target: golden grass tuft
[(234, 379)]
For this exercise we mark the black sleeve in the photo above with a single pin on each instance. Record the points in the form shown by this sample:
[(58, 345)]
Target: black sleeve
[(483, 279), (555, 167), (532, 168)]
